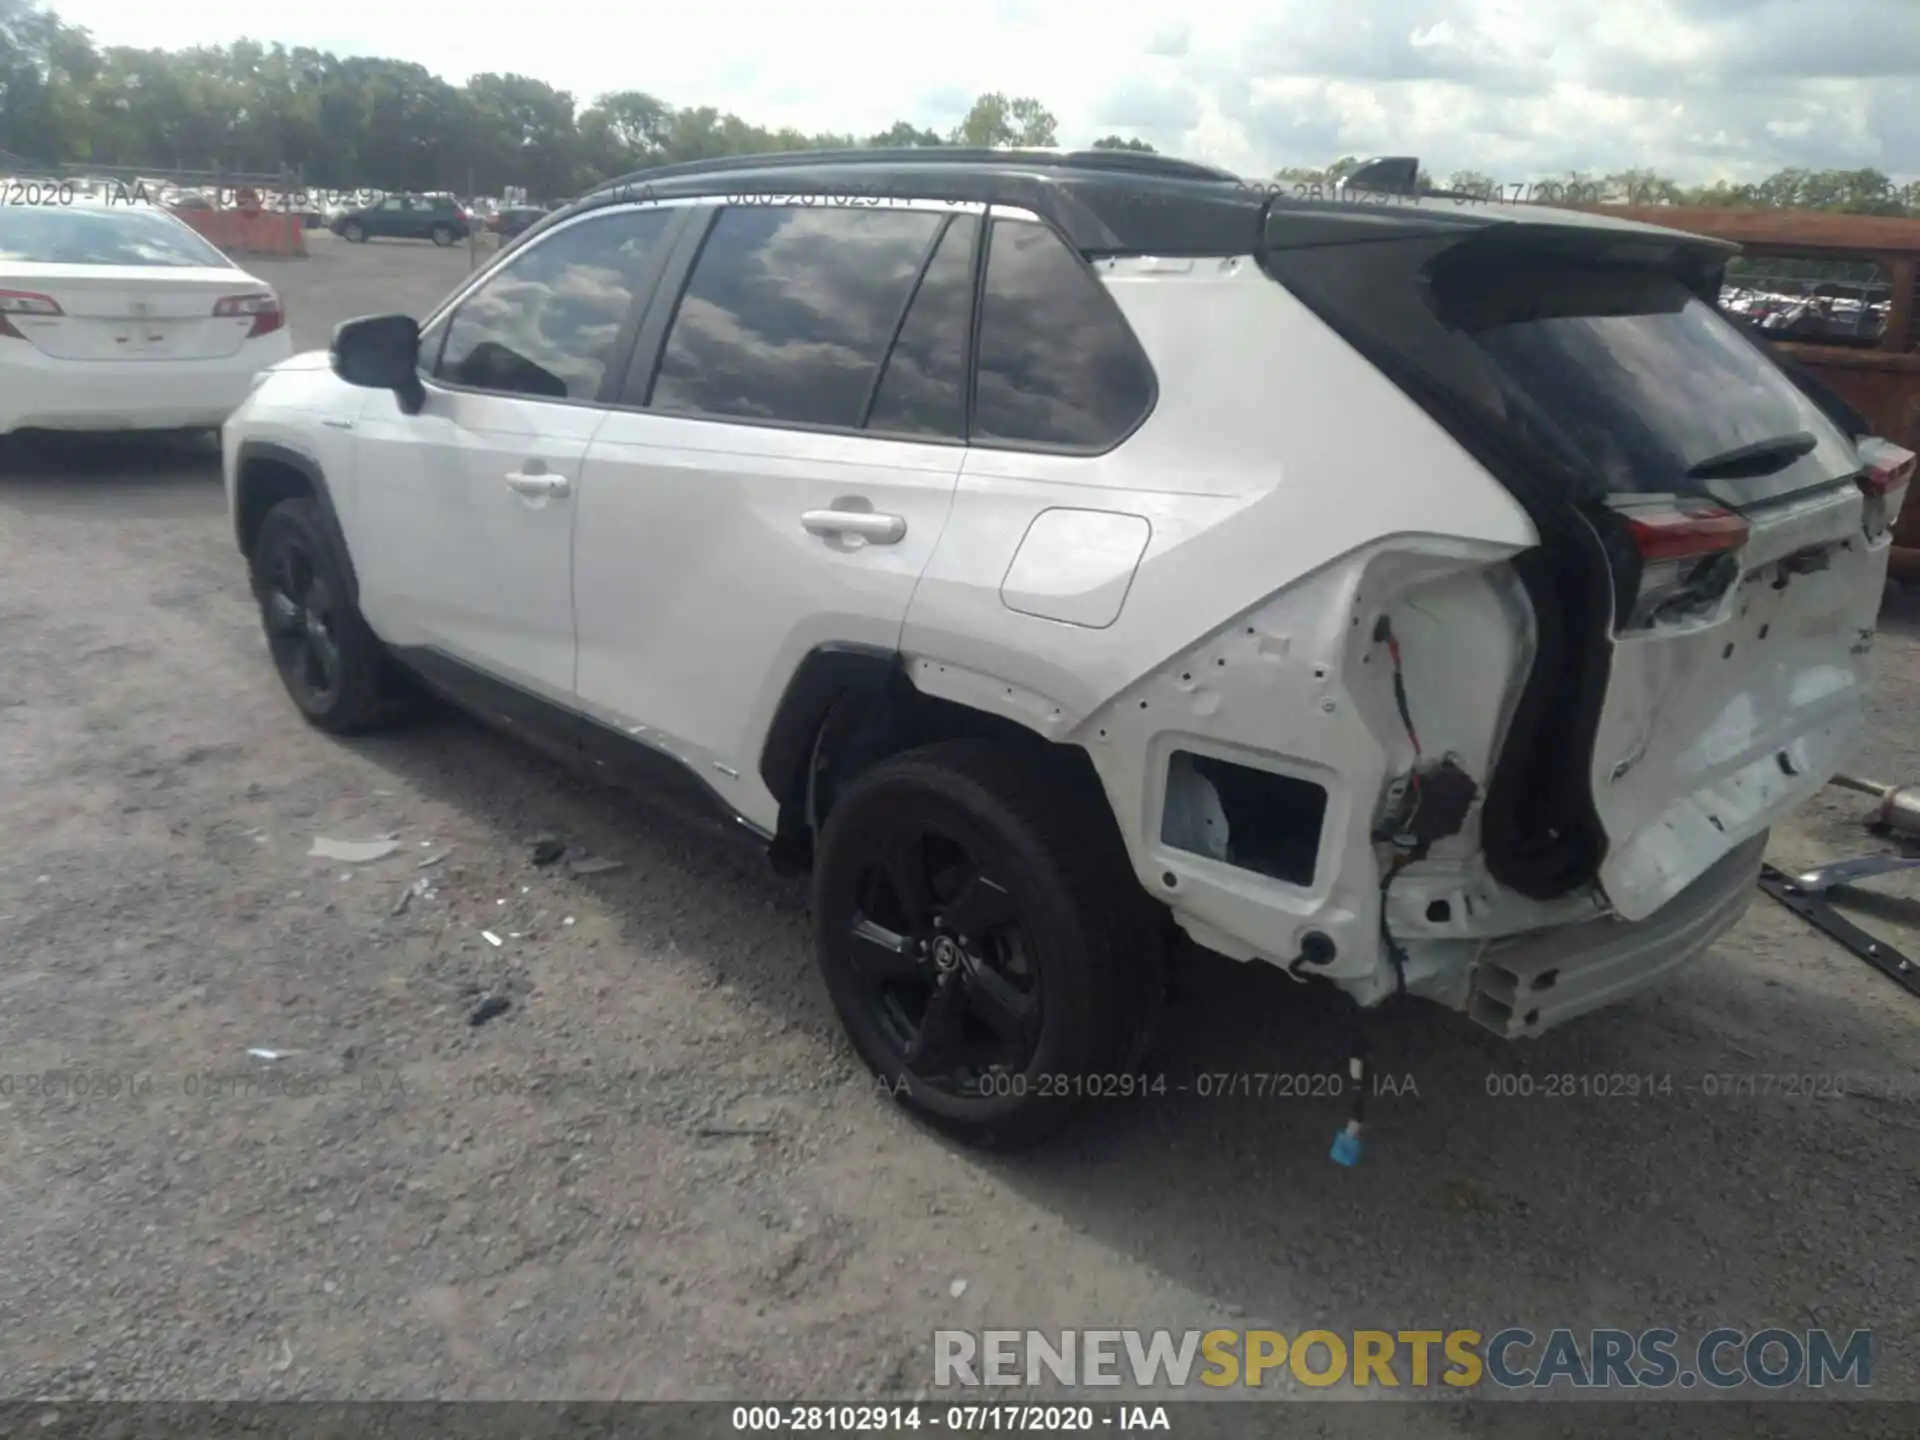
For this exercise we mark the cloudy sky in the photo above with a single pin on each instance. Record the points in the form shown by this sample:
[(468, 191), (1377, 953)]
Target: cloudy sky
[(1518, 89)]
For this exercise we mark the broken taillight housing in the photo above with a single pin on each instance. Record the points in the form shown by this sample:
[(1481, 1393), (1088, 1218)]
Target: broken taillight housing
[(1689, 557), (1883, 481), (24, 302), (265, 310)]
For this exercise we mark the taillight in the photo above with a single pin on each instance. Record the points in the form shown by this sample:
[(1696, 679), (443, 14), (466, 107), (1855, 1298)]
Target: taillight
[(1684, 529), (1889, 469), (1688, 557), (24, 302), (265, 310)]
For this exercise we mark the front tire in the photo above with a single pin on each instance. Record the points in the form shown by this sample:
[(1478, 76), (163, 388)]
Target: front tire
[(329, 660), (354, 231), (981, 941)]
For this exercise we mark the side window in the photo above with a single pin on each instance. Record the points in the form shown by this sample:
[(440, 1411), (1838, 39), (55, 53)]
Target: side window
[(1057, 365), (789, 311), (546, 323), (1811, 299), (393, 204), (924, 388)]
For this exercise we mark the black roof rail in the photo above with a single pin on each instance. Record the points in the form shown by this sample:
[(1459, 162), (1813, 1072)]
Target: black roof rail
[(1103, 202), (1119, 162)]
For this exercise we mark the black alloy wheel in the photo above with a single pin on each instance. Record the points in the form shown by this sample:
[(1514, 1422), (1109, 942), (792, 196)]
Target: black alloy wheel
[(982, 939), (332, 665), (946, 967), (299, 609)]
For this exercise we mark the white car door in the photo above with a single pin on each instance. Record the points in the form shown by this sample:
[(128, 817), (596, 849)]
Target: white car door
[(467, 507), (783, 478)]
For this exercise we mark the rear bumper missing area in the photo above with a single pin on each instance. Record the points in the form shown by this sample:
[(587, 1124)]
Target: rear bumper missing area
[(1530, 983)]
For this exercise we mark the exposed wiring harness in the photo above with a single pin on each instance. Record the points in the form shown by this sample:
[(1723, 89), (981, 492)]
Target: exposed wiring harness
[(1383, 634)]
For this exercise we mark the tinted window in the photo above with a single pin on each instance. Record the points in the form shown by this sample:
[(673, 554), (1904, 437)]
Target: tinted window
[(924, 389), (1057, 363), (789, 311), (117, 235), (1633, 375), (546, 324)]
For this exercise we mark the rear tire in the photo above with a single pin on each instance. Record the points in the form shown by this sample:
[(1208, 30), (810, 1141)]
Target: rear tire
[(982, 941), (443, 236), (331, 663), (354, 231)]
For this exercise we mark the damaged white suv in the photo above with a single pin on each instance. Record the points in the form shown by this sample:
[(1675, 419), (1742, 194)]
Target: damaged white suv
[(1421, 595)]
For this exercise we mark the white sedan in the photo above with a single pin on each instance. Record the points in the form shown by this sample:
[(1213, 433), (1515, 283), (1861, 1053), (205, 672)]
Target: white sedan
[(120, 317)]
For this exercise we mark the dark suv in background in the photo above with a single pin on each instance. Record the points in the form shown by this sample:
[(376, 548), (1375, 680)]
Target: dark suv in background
[(438, 218)]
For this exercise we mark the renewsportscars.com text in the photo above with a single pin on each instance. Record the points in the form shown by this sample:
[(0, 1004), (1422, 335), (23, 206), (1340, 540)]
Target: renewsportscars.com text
[(1515, 1358)]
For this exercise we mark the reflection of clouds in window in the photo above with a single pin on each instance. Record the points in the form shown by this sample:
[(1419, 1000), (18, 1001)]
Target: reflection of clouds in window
[(924, 389), (1646, 396), (558, 309), (1057, 366), (788, 313)]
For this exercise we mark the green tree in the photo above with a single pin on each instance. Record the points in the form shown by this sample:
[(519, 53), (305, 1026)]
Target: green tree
[(901, 136), (46, 68), (370, 120), (996, 120)]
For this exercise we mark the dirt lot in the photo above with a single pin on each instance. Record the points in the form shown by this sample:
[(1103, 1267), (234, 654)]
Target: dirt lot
[(662, 1173)]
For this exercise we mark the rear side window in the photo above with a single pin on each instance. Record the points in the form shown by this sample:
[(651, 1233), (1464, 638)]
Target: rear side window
[(923, 390), (1631, 375), (119, 235), (547, 322), (789, 311), (1058, 366)]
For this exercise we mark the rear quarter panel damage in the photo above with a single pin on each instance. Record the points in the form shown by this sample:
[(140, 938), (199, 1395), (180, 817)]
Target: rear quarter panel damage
[(1292, 494)]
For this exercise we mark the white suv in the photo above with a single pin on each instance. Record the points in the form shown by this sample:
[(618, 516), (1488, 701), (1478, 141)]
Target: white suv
[(1424, 596)]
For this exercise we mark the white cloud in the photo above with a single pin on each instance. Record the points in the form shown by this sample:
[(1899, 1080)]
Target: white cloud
[(1516, 88)]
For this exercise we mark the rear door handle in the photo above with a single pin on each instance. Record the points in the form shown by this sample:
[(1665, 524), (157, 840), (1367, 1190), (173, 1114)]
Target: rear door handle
[(874, 528), (537, 482)]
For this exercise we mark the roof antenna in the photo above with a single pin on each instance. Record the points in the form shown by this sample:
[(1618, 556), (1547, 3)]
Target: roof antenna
[(1389, 174)]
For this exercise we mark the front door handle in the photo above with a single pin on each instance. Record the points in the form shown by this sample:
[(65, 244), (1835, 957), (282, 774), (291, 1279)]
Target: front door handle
[(874, 528), (537, 482)]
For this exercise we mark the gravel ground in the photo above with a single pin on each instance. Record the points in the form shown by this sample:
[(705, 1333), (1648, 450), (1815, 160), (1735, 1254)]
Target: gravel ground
[(662, 1174)]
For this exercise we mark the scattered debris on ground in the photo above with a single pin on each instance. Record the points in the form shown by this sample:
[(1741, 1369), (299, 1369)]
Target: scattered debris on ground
[(491, 1007), (594, 865), (352, 852)]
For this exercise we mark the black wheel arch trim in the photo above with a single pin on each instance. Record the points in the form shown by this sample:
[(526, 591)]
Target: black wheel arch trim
[(309, 468), (826, 673)]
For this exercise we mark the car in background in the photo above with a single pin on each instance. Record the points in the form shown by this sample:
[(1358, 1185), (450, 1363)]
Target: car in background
[(438, 218), (186, 202), (122, 318), (512, 220)]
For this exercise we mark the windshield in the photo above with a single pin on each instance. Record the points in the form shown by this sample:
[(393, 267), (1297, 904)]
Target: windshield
[(118, 235), (1632, 375)]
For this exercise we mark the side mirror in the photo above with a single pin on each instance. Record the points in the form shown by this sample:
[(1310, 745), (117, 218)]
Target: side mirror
[(381, 352)]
